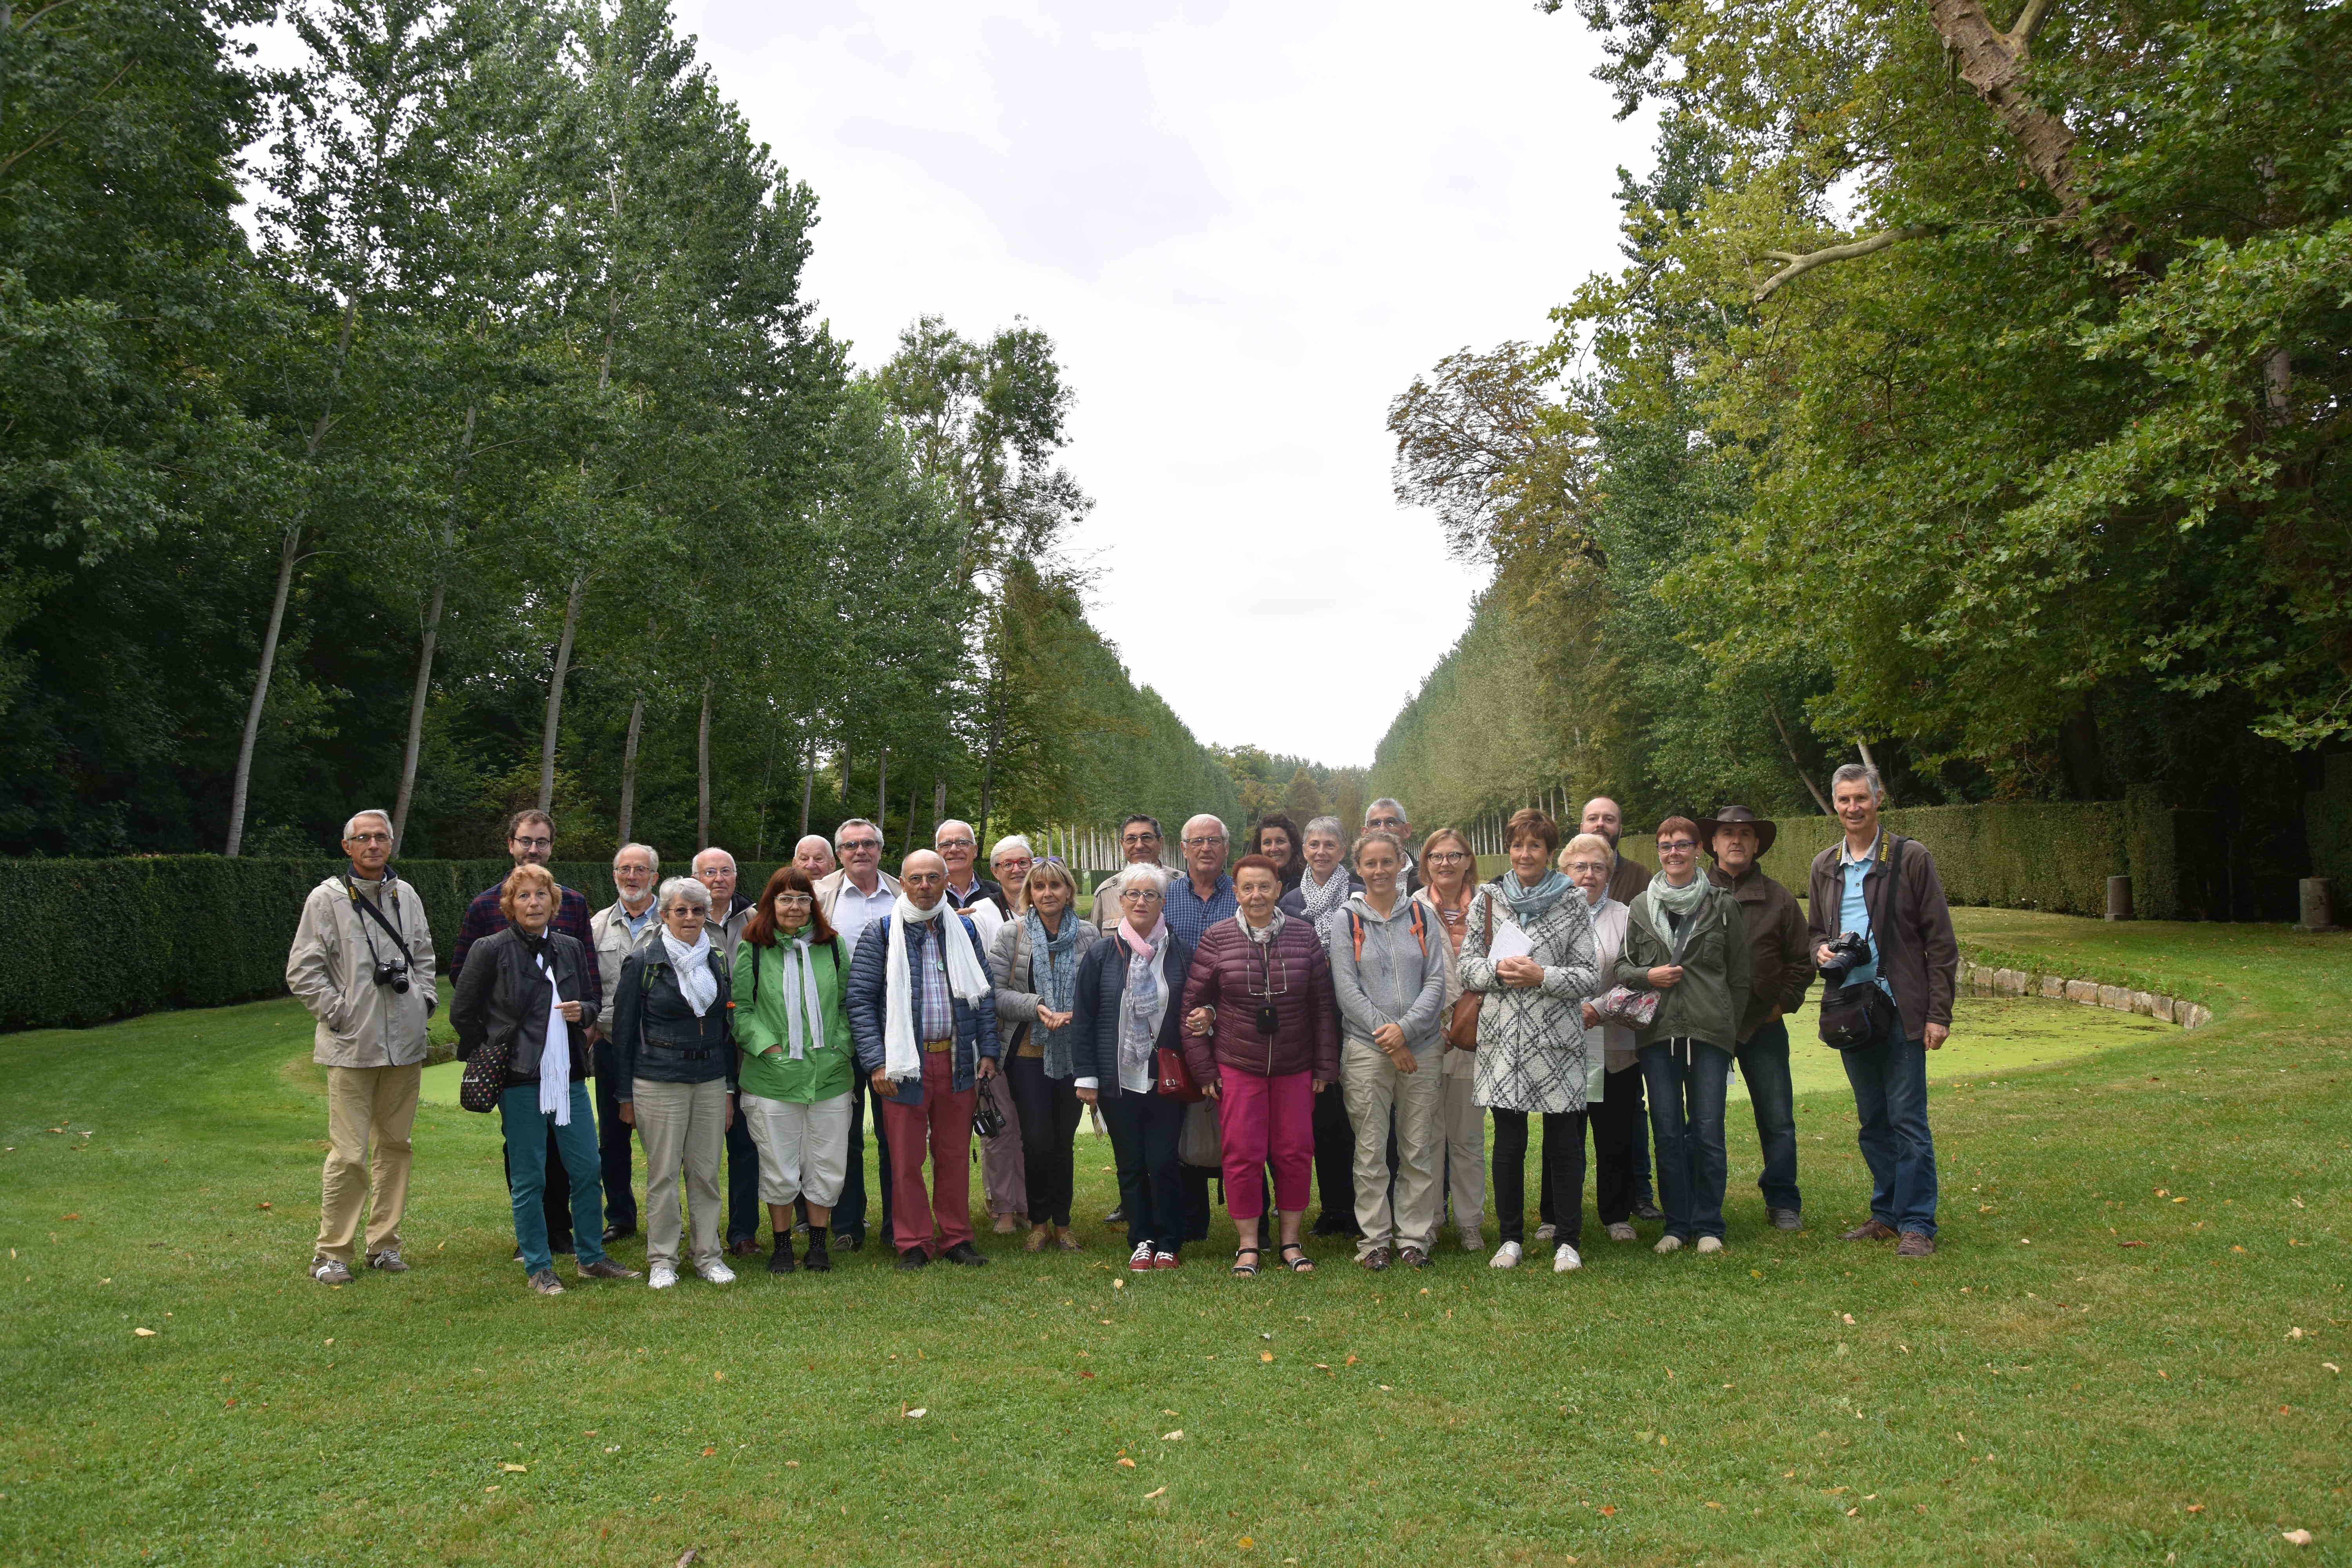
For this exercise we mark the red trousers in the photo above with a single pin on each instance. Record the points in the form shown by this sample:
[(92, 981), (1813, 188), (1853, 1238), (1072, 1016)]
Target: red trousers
[(1266, 1121), (943, 1122)]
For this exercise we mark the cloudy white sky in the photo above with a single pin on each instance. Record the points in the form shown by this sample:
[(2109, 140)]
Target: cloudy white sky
[(1247, 226)]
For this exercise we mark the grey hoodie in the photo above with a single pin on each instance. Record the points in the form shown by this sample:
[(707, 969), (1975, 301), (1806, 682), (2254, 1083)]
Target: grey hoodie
[(1400, 979)]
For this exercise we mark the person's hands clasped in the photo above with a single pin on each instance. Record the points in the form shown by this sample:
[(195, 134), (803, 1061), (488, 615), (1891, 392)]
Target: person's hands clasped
[(1053, 1020), (1389, 1039), (1200, 1022), (1519, 970)]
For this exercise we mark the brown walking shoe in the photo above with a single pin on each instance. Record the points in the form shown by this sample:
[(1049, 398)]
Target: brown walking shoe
[(1869, 1230), (1915, 1244)]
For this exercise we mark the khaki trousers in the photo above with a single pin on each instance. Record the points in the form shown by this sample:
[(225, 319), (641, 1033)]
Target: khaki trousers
[(370, 1114), (1375, 1088), (684, 1126), (1462, 1127)]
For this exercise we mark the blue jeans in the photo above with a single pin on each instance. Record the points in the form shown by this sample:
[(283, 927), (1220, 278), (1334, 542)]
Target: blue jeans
[(1890, 1097), (1764, 1063), (1687, 1080), (526, 1129)]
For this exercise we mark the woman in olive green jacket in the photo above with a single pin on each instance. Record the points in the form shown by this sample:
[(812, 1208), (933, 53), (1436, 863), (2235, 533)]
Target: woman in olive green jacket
[(1685, 942), (798, 1070)]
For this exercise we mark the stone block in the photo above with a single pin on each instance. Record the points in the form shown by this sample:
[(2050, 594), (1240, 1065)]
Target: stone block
[(2160, 1008), (2194, 1015), (2053, 987), (2016, 983), (2143, 1004), (2115, 998), (2083, 991)]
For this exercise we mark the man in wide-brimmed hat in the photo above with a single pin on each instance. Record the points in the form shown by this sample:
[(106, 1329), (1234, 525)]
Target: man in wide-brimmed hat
[(1779, 971)]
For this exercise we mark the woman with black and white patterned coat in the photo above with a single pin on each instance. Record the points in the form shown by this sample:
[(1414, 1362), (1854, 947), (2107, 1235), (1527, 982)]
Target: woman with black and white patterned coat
[(1534, 1055)]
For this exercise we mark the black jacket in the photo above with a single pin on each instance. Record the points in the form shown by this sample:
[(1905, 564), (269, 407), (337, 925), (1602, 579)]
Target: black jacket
[(1910, 924), (657, 1036), (502, 996), (1094, 1012)]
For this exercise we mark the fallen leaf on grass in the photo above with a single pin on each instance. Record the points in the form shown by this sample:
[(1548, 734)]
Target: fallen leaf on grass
[(1086, 1374), (1320, 1366), (917, 1414), (1245, 1542), (1608, 1510), (78, 1216), (1846, 1318), (2196, 1508), (2295, 1537), (1265, 1355), (1351, 1361), (791, 1464), (489, 1488), (1126, 1463), (1175, 1437), (1156, 1491), (2131, 1244), (1852, 1512), (708, 1452), (2294, 1333), (2332, 1367), (144, 1333), (718, 1377), (521, 1470)]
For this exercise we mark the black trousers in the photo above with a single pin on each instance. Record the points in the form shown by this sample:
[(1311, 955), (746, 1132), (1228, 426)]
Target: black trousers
[(1563, 1158), (742, 1179), (556, 1199), (1049, 1110), (1335, 1161), (850, 1218), (1621, 1147), (1144, 1129), (613, 1150)]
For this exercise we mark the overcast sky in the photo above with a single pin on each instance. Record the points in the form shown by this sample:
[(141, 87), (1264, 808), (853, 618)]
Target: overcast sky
[(1247, 226)]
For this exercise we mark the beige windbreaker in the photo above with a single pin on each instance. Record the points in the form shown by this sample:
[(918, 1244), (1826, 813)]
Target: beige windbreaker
[(362, 1024)]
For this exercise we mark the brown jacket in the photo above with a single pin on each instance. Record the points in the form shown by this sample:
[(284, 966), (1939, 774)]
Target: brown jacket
[(1629, 881), (1779, 957), (1911, 924)]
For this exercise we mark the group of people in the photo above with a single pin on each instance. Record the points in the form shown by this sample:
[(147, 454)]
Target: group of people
[(1323, 1011)]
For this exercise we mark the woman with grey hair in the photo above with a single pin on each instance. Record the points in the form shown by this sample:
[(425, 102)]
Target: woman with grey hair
[(1327, 883), (1127, 1008), (674, 1053), (1035, 958), (1009, 863)]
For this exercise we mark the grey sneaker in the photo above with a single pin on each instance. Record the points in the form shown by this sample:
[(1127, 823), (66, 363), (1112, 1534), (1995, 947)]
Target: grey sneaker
[(388, 1260), (1621, 1231), (331, 1271), (546, 1283), (1786, 1219), (1545, 1232), (605, 1268)]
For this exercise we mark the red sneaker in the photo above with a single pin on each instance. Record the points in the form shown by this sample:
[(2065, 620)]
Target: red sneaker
[(1140, 1260), (1164, 1260)]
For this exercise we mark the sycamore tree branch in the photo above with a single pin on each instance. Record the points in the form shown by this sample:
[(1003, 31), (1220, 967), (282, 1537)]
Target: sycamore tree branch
[(2020, 37), (1795, 265)]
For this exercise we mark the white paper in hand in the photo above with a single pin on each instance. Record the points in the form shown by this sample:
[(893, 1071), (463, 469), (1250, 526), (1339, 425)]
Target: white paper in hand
[(1510, 942)]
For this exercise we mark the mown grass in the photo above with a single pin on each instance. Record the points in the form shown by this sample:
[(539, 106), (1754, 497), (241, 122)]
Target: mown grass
[(2040, 1390)]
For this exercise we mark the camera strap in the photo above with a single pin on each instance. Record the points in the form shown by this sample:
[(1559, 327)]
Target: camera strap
[(368, 911)]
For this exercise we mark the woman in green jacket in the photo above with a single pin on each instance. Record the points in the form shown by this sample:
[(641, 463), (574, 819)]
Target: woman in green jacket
[(798, 1069), (1684, 940)]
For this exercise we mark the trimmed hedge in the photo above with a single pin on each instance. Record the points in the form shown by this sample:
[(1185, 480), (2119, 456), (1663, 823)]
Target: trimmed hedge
[(95, 940), (2025, 855)]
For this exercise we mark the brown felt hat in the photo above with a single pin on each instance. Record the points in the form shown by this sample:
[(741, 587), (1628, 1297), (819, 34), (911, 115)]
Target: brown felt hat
[(1765, 831)]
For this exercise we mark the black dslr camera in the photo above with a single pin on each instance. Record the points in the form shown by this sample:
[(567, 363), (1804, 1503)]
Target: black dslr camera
[(395, 975), (1848, 950)]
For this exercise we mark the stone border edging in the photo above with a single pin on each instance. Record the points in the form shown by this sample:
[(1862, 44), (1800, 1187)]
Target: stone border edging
[(1987, 981)]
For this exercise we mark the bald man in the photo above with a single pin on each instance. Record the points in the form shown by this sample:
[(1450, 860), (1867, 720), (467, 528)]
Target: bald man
[(922, 1011), (813, 856)]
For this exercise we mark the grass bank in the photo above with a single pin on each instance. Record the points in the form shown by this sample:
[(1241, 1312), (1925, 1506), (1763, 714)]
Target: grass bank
[(2101, 1365)]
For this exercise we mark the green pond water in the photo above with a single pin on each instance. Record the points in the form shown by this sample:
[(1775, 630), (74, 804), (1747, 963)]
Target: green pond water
[(1990, 1034)]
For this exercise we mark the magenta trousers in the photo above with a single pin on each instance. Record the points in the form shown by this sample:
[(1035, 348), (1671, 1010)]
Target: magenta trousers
[(1267, 1121)]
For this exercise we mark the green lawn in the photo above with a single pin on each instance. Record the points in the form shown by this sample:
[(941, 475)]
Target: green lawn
[(2100, 1366)]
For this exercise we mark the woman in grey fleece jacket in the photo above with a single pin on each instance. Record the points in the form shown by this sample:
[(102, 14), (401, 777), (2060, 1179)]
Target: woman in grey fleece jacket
[(1388, 966)]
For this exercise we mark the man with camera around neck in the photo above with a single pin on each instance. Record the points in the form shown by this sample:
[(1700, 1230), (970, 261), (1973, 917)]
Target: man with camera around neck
[(362, 963), (1882, 887)]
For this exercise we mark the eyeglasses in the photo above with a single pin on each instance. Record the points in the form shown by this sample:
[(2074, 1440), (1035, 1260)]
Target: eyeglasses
[(1445, 856), (793, 900), (370, 838), (1140, 895), (1203, 841), (1138, 838), (1676, 846), (534, 842), (855, 844), (1586, 866), (957, 844)]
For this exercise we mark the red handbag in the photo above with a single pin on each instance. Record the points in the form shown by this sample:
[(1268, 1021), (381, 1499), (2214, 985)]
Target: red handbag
[(1174, 1077)]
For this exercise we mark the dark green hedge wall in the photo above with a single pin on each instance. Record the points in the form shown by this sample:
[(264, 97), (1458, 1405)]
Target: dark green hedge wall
[(94, 940)]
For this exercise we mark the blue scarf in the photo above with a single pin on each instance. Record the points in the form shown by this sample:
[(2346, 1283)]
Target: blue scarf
[(1528, 904), (1054, 971)]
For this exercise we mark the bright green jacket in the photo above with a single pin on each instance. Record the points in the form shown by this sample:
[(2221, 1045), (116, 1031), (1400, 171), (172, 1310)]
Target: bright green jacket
[(827, 1066)]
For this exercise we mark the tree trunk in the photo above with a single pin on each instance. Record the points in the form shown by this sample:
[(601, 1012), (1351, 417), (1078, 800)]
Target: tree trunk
[(1886, 796), (290, 551), (939, 800), (629, 769), (702, 774), (767, 782), (555, 692), (432, 635), (1803, 777), (808, 789), (1993, 63), (882, 796)]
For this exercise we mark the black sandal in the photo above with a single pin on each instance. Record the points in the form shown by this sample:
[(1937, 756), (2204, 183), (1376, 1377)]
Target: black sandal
[(1245, 1270), (1302, 1264)]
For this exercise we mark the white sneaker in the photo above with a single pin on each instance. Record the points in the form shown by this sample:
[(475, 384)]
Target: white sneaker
[(1707, 1244), (716, 1272), (1506, 1256), (1545, 1232), (1564, 1259), (661, 1276), (1670, 1244), (1623, 1231)]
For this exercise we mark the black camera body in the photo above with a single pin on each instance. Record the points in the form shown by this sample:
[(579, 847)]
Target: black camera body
[(1848, 950), (395, 975)]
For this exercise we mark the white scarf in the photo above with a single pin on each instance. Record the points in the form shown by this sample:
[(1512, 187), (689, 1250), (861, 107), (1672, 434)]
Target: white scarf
[(902, 1054), (694, 980), (555, 1054), (795, 951), (1265, 934)]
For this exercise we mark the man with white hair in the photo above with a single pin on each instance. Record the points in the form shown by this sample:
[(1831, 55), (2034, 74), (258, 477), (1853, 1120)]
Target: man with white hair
[(362, 963), (615, 931), (1386, 815), (813, 856), (861, 892), (1203, 895)]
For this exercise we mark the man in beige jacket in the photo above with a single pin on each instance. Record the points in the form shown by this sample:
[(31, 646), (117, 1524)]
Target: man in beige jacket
[(362, 963)]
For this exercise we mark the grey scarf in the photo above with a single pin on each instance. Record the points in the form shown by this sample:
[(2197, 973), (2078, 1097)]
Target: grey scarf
[(1322, 901), (1142, 995), (1682, 902)]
